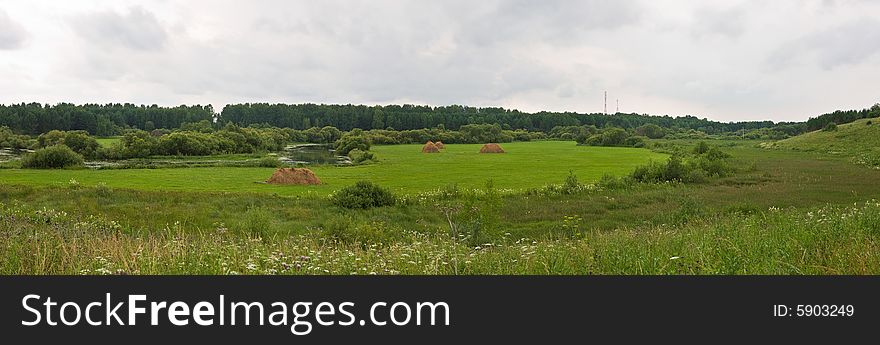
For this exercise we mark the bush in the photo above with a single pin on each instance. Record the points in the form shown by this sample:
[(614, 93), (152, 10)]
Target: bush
[(358, 156), (611, 182), (78, 141), (269, 162), (352, 142), (52, 157), (346, 230), (701, 148), (363, 194), (81, 142), (830, 127), (12, 140), (636, 141), (672, 170)]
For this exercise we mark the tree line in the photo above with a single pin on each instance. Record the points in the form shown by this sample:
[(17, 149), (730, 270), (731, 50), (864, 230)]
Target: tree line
[(410, 117), (114, 119), (98, 119), (840, 117)]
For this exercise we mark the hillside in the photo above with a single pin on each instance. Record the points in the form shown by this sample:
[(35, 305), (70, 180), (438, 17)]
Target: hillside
[(859, 140)]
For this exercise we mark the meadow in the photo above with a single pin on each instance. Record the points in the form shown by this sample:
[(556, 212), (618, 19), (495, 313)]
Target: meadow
[(781, 212), (401, 168)]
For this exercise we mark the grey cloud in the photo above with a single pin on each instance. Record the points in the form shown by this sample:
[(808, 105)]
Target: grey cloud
[(12, 34), (730, 22), (847, 44), (138, 29), (554, 21)]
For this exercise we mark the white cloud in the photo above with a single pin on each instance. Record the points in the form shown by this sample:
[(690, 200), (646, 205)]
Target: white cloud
[(12, 34)]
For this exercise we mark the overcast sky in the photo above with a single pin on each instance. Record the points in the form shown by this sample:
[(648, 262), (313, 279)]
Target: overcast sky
[(725, 60)]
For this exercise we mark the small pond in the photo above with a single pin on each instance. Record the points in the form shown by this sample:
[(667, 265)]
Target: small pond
[(9, 154), (312, 154)]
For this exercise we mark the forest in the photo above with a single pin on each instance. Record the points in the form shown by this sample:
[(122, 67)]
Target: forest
[(114, 119), (99, 120)]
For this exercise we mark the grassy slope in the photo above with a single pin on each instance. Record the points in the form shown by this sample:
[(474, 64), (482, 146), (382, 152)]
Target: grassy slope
[(402, 168), (857, 140)]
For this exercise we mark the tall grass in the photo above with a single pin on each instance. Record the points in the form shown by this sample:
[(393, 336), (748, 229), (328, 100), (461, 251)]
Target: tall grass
[(826, 240)]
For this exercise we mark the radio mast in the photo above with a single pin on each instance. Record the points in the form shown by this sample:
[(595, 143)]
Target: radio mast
[(606, 102)]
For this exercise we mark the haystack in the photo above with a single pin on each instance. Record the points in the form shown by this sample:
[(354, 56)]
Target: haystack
[(298, 176), (440, 145), (491, 148), (430, 148)]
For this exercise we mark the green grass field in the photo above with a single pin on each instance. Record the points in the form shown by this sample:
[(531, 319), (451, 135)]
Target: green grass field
[(108, 141), (781, 212), (402, 168)]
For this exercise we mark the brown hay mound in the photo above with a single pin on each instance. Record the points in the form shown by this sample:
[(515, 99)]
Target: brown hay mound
[(430, 148), (491, 148), (440, 145), (298, 176)]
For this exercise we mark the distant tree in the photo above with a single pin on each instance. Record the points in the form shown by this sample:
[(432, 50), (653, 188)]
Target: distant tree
[(611, 136), (8, 139), (651, 131), (350, 142), (203, 126), (50, 138), (330, 134), (82, 143)]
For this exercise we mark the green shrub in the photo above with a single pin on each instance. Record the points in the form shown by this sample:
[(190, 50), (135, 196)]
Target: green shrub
[(78, 141), (357, 156), (695, 176), (12, 140), (701, 148), (351, 142), (612, 182), (830, 127), (636, 141), (672, 170), (651, 172), (52, 157), (571, 184), (269, 162), (257, 221), (716, 154), (363, 194), (345, 230)]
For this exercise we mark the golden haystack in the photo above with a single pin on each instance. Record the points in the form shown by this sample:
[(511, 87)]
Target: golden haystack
[(430, 148), (299, 176), (491, 148), (440, 145)]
